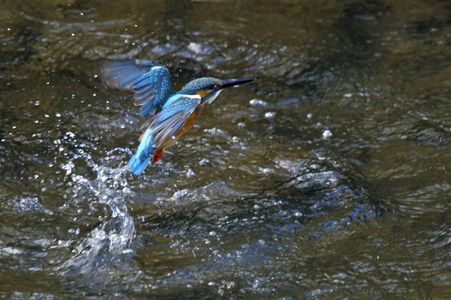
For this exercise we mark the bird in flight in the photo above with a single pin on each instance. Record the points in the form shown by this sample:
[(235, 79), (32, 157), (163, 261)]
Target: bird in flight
[(170, 112)]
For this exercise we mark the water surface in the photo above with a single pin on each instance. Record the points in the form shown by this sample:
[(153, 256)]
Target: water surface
[(329, 177)]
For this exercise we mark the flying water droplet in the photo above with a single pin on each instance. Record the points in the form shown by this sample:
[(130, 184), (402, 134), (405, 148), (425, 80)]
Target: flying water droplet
[(190, 173), (258, 102), (270, 115), (204, 162), (327, 134)]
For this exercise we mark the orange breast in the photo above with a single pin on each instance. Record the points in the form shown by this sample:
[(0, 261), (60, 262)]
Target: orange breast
[(203, 93), (190, 121)]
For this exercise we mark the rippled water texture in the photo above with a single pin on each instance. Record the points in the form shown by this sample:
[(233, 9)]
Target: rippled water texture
[(329, 177)]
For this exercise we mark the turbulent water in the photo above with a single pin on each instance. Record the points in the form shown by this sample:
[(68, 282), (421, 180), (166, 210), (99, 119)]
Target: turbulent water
[(329, 177)]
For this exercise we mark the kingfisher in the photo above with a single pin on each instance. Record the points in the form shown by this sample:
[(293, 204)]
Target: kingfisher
[(170, 113)]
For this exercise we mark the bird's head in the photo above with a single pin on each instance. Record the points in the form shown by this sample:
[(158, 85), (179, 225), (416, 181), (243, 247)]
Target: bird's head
[(208, 88)]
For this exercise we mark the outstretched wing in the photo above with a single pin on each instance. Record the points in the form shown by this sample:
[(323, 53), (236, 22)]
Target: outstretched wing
[(150, 82), (174, 119)]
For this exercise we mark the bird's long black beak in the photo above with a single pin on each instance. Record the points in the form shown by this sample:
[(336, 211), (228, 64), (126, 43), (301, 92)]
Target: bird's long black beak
[(234, 82)]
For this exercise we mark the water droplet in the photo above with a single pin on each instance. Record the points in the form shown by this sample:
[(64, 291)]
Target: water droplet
[(265, 170), (190, 173), (204, 162), (327, 134), (258, 102), (215, 131), (69, 134), (270, 115), (256, 283)]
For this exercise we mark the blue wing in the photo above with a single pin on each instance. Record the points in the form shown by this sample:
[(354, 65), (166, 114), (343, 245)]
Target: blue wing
[(122, 74), (150, 82), (170, 121)]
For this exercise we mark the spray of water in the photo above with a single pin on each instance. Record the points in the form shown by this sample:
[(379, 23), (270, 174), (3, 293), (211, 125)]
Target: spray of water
[(110, 242)]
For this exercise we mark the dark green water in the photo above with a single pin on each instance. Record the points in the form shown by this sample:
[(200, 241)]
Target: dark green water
[(351, 112)]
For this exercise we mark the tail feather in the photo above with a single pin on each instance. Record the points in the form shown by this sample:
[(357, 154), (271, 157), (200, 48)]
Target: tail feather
[(137, 165), (143, 155)]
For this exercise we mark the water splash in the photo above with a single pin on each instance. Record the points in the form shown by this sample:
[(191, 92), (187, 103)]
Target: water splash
[(109, 243)]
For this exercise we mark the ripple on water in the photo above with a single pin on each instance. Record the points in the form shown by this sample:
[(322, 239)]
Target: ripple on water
[(232, 211), (219, 234)]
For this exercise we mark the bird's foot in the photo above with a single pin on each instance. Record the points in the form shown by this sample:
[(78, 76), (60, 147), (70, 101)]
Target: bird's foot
[(157, 155)]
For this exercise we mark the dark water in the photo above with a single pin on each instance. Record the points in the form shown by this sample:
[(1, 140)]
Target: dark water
[(327, 178)]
